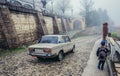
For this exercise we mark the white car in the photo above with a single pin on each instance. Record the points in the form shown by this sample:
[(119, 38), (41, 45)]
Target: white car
[(52, 46)]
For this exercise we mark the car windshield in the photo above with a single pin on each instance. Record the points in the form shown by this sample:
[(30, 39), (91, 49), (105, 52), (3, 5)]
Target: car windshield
[(47, 39)]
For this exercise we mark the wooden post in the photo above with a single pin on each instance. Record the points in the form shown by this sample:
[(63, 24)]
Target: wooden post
[(105, 30)]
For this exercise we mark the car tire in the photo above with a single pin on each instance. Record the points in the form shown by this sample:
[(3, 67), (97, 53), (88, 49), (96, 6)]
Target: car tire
[(39, 58), (60, 56), (73, 49)]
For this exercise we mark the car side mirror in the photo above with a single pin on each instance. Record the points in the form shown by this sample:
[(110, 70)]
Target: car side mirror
[(39, 41), (60, 42)]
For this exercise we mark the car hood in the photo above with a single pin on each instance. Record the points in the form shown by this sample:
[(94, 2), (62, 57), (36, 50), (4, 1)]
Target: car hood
[(44, 45)]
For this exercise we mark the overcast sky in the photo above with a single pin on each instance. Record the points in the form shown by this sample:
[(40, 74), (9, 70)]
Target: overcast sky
[(112, 6)]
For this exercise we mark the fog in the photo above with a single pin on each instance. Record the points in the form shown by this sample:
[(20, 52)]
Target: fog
[(112, 6)]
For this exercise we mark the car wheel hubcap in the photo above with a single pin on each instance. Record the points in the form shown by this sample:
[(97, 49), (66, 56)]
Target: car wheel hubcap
[(60, 56)]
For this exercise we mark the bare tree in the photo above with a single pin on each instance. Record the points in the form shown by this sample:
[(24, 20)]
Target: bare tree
[(87, 8), (62, 5)]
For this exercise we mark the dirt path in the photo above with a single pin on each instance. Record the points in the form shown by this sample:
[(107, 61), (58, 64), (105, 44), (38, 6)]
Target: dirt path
[(91, 68)]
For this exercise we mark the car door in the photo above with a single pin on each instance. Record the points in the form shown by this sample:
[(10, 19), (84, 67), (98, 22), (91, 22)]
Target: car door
[(69, 45), (64, 44)]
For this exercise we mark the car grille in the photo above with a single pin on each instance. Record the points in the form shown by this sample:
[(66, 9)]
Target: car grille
[(39, 51)]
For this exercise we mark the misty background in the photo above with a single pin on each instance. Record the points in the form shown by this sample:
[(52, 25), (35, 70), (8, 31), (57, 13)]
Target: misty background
[(112, 7), (95, 12)]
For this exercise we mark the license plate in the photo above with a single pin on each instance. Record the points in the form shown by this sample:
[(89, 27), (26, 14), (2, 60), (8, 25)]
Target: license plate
[(38, 51)]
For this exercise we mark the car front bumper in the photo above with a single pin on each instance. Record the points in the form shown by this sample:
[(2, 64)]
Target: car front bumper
[(43, 55)]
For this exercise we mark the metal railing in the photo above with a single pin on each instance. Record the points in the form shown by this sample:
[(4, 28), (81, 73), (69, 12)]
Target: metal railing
[(16, 7), (3, 2), (115, 48)]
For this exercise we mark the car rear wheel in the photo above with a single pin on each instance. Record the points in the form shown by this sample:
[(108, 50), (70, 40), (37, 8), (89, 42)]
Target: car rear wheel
[(39, 58), (60, 56), (73, 49)]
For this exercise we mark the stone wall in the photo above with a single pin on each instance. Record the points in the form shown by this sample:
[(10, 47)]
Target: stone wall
[(25, 26), (49, 24), (8, 31), (55, 25), (59, 25), (66, 24), (19, 26), (2, 38)]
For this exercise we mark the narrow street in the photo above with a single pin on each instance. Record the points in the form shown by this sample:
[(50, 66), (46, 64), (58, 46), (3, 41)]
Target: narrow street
[(72, 65), (91, 68)]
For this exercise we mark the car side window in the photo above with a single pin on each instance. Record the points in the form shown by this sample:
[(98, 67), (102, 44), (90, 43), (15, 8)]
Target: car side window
[(62, 40), (67, 39)]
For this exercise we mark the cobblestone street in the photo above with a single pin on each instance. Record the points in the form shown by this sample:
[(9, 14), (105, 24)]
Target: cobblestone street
[(72, 65)]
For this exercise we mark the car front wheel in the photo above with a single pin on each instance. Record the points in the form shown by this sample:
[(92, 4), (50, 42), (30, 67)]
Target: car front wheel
[(60, 56), (73, 49)]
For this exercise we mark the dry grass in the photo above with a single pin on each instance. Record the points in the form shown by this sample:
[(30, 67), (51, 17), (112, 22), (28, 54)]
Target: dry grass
[(12, 51)]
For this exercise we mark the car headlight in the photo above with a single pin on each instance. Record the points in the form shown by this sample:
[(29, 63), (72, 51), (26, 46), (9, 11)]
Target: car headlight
[(31, 49)]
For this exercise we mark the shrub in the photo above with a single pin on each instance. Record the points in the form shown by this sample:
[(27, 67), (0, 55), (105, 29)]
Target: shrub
[(115, 36)]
